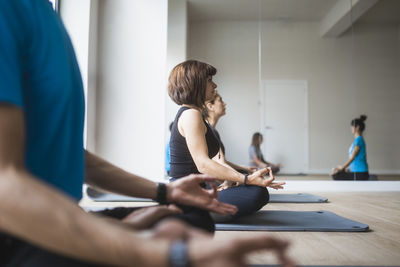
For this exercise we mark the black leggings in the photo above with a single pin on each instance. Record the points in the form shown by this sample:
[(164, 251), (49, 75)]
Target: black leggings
[(358, 176), (247, 198)]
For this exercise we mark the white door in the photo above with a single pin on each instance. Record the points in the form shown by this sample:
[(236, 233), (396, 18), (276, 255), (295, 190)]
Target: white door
[(285, 124)]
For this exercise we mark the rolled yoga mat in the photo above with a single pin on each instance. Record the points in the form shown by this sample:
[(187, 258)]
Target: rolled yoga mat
[(282, 220), (274, 198)]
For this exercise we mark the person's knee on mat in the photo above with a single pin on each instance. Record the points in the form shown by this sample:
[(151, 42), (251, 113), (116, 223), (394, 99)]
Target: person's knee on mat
[(247, 198), (260, 196)]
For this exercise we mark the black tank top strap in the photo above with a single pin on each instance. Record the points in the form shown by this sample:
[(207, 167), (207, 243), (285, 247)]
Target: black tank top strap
[(181, 162)]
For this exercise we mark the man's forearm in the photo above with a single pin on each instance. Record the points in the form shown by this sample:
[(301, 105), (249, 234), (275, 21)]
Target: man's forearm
[(40, 215), (107, 176)]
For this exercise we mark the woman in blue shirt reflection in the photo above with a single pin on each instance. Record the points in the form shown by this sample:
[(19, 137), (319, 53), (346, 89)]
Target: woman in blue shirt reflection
[(357, 155)]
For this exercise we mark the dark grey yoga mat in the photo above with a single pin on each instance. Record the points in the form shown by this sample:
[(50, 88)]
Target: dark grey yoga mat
[(296, 198), (109, 197), (274, 198), (282, 220)]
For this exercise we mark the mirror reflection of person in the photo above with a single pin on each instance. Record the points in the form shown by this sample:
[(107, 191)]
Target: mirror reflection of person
[(256, 157), (357, 155), (194, 147)]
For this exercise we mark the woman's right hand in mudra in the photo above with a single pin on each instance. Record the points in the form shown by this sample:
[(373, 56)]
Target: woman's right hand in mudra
[(259, 178)]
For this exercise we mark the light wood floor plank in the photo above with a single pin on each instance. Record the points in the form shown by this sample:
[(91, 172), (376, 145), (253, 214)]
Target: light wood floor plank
[(380, 246)]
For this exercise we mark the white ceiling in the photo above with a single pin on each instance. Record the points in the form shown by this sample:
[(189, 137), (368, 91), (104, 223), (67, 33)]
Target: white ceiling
[(296, 10)]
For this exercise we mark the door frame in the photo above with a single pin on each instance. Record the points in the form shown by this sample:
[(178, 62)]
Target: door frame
[(304, 83)]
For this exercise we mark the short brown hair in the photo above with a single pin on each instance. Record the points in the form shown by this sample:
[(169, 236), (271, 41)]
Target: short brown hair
[(187, 82)]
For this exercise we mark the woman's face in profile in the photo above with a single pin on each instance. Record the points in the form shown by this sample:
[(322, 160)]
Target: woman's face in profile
[(220, 106), (210, 89), (260, 140), (353, 129)]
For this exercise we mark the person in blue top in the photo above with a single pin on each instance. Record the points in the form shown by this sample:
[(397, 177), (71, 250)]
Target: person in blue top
[(167, 153), (43, 165), (357, 155)]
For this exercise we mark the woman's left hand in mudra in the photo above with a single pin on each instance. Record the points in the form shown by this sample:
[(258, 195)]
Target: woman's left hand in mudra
[(258, 178)]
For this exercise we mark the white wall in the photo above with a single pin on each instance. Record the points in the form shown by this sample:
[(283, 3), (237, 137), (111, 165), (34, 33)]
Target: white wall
[(176, 50), (92, 77), (132, 46), (232, 47), (377, 50), (346, 77), (76, 17)]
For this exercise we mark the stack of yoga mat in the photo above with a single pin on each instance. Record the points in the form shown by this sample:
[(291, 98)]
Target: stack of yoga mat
[(270, 220)]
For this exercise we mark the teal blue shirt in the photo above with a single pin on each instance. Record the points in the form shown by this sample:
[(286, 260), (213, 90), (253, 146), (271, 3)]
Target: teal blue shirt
[(39, 74), (359, 164), (167, 158)]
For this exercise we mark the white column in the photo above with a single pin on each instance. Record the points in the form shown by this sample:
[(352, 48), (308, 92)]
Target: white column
[(131, 85), (176, 49)]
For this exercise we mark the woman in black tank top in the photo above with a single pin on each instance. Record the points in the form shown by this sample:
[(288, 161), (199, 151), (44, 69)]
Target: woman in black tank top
[(193, 146)]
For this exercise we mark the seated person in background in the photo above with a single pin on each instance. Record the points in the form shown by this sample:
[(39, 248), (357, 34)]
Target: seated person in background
[(256, 158), (357, 155), (213, 111), (195, 149), (43, 165), (167, 157)]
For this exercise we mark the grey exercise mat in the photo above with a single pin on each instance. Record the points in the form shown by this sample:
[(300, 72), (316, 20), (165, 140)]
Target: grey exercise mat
[(109, 197), (296, 198), (274, 198), (282, 220)]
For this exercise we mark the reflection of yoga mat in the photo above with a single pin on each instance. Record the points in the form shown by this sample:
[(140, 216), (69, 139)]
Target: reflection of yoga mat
[(282, 220), (296, 198), (109, 197)]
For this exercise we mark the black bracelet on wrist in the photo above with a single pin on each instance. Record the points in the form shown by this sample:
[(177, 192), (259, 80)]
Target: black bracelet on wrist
[(178, 255), (245, 179), (161, 193)]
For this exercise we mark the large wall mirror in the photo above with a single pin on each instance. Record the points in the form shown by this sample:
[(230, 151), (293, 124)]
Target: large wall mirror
[(298, 72)]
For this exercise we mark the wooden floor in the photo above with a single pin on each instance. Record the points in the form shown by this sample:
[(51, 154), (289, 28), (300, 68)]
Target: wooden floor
[(326, 177), (379, 247)]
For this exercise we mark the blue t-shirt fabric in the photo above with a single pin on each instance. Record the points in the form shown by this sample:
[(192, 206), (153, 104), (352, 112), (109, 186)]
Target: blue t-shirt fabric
[(359, 164), (39, 74), (167, 158)]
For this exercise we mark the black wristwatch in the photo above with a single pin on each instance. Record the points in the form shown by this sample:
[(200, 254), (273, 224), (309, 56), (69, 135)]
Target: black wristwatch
[(178, 256), (162, 193), (245, 178)]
